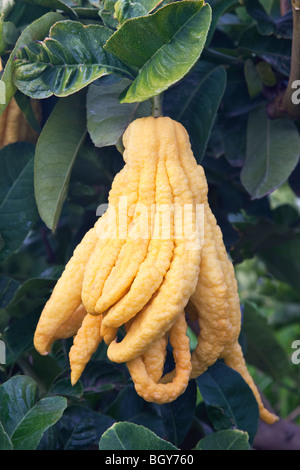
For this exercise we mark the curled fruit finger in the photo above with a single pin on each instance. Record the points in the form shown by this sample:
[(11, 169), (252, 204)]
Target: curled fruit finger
[(71, 326), (108, 333), (234, 358), (154, 358), (85, 344), (165, 392)]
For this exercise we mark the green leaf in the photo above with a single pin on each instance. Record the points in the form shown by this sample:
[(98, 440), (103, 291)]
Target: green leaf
[(65, 62), (64, 387), (18, 395), (273, 148), (233, 136), (228, 399), (178, 416), (5, 443), (127, 405), (195, 103), (262, 348), (224, 440), (18, 211), (36, 31), (80, 428), (18, 336), (265, 24), (253, 79), (107, 118), (8, 35), (32, 427), (282, 260), (275, 51), (25, 105), (54, 5), (168, 43), (66, 130), (101, 375), (129, 436), (218, 9), (266, 73), (23, 418), (33, 285), (8, 288), (126, 9), (107, 13)]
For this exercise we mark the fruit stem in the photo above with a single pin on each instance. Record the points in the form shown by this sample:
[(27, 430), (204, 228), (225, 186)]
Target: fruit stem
[(156, 109)]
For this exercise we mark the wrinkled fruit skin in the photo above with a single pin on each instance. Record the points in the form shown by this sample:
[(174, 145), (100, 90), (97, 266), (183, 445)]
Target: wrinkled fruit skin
[(147, 284)]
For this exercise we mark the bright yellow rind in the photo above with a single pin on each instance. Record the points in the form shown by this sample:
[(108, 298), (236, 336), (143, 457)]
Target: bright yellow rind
[(145, 283)]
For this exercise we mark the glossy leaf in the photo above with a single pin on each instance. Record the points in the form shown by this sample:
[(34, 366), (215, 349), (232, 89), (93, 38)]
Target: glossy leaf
[(195, 103), (18, 212), (43, 415), (273, 149), (162, 55), (66, 130), (107, 118), (107, 13), (228, 399), (224, 440), (35, 31), (24, 419), (65, 62), (129, 436)]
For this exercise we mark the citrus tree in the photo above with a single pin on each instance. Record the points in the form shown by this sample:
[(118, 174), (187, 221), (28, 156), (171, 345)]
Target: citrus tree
[(75, 74)]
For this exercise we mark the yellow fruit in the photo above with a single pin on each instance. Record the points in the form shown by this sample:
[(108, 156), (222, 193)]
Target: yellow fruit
[(141, 267)]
